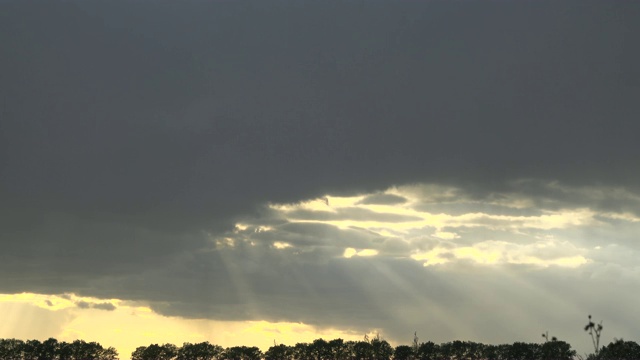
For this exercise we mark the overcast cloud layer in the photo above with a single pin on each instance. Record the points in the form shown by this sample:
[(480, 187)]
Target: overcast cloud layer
[(148, 149)]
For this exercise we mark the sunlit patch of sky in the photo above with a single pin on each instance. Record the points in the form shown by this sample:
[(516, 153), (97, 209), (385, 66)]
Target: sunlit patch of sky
[(132, 324), (539, 241)]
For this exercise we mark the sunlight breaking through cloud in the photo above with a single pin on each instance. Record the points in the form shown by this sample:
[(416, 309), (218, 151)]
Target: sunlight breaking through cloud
[(441, 225), (351, 252)]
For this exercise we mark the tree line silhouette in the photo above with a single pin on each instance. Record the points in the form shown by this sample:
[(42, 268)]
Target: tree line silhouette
[(52, 349), (320, 349)]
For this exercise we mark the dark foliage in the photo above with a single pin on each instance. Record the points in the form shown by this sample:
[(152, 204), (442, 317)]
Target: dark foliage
[(620, 350), (319, 349), (51, 349)]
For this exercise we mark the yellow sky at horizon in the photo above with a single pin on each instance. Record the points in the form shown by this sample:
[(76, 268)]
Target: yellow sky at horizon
[(131, 325)]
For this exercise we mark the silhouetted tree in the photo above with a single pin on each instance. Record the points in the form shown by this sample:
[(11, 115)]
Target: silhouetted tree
[(139, 353), (362, 350), (522, 351), (64, 351), (403, 352), (49, 349), (427, 351), (199, 351), (462, 350), (350, 347), (155, 352), (279, 352), (82, 350), (319, 349), (381, 350), (473, 350), (300, 351), (11, 348), (444, 352), (594, 330), (339, 349), (556, 350), (545, 335), (242, 353), (491, 352), (620, 350), (31, 349)]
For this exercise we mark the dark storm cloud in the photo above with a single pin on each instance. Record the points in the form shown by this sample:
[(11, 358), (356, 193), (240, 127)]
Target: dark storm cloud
[(179, 115), (61, 252), (132, 133)]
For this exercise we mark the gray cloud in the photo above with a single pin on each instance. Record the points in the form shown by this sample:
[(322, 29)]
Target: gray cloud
[(383, 199), (104, 306), (83, 304), (133, 134), (310, 234), (350, 213), (461, 207)]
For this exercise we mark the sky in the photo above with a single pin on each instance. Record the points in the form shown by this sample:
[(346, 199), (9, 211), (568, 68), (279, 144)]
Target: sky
[(251, 172)]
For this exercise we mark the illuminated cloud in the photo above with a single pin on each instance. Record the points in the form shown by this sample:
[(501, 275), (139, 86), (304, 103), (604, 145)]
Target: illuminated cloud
[(351, 252), (281, 245)]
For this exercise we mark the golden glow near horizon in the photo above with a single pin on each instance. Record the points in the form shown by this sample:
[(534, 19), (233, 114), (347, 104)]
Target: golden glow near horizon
[(57, 302), (131, 325)]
